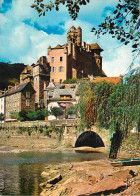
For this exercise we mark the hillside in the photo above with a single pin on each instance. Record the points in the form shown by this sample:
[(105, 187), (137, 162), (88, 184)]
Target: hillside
[(10, 73)]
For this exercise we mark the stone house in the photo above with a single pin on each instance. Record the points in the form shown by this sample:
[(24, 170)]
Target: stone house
[(58, 95), (20, 97), (39, 76)]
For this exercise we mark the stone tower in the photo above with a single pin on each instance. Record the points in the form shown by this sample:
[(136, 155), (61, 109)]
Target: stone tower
[(41, 77), (74, 36)]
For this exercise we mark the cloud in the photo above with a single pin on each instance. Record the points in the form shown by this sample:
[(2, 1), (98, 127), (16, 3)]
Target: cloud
[(24, 36)]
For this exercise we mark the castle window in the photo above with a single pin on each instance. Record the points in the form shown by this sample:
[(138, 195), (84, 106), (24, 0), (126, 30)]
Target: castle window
[(61, 69), (61, 58), (28, 95), (52, 59), (53, 69), (27, 103)]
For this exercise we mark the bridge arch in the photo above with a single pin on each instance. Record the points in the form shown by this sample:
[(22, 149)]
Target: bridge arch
[(89, 138)]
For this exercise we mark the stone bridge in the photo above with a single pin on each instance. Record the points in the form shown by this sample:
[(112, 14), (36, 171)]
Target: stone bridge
[(72, 137), (94, 138)]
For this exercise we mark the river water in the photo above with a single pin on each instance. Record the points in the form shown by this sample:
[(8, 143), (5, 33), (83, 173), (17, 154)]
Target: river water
[(20, 173)]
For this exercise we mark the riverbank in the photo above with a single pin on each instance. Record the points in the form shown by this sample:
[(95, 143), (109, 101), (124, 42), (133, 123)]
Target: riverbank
[(90, 178)]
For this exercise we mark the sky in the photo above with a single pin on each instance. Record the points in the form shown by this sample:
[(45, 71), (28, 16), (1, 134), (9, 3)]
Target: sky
[(24, 36)]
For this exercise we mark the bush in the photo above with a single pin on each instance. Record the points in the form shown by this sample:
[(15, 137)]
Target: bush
[(71, 81), (22, 115), (37, 115), (14, 115), (56, 111), (32, 115), (72, 109)]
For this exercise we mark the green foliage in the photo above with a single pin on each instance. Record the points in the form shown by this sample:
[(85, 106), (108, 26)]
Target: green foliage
[(114, 106), (22, 115), (72, 109), (122, 24), (73, 6), (56, 111), (10, 74), (14, 115), (71, 81), (32, 115), (1, 116)]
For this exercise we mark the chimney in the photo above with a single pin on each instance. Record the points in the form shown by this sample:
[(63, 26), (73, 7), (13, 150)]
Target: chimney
[(9, 87)]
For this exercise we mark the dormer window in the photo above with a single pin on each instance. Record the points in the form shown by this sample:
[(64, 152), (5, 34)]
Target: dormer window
[(61, 58), (52, 59)]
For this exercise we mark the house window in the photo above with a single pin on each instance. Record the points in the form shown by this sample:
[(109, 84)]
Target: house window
[(27, 103), (60, 81), (28, 95), (52, 80), (61, 58), (53, 69), (52, 59), (61, 69)]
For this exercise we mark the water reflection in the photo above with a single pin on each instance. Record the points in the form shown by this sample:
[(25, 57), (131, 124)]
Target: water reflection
[(20, 173)]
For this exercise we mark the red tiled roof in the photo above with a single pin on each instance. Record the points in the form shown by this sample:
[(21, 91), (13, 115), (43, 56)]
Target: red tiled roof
[(114, 80)]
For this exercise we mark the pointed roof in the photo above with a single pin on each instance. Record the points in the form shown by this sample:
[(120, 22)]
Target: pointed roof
[(52, 86), (95, 46)]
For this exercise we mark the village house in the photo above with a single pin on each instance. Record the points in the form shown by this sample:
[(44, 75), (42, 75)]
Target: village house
[(58, 95), (17, 98)]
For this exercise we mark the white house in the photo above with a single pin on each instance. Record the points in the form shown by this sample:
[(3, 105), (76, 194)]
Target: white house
[(60, 96), (2, 105)]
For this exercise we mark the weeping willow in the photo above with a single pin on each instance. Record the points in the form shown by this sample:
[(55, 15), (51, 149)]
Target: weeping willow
[(110, 106)]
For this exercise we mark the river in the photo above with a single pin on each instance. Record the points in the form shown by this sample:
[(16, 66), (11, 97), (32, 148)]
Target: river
[(20, 173)]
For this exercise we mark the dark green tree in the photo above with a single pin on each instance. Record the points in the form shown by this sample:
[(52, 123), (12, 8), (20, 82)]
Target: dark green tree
[(56, 111), (22, 115)]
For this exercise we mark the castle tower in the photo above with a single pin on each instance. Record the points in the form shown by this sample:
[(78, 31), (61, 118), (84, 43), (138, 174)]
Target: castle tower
[(74, 36), (40, 76), (79, 37)]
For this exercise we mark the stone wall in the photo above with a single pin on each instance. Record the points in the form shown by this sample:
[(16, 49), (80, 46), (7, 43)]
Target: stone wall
[(36, 133)]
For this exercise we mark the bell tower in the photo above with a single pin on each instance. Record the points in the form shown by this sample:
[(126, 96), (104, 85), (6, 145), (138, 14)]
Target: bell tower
[(74, 36)]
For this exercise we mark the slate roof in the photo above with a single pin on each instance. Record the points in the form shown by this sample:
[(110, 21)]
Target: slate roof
[(52, 86), (61, 92), (14, 90)]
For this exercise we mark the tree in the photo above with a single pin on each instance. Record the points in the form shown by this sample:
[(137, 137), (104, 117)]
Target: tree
[(32, 115), (22, 115), (56, 111), (73, 6), (123, 24)]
